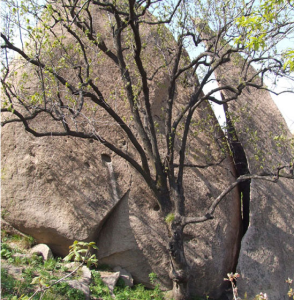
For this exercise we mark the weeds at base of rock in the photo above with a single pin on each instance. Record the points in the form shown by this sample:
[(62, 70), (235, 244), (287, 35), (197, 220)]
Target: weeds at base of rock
[(43, 273), (36, 276), (122, 292)]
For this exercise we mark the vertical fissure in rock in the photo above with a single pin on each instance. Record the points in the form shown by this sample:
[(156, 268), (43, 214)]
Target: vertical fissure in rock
[(241, 166), (107, 161)]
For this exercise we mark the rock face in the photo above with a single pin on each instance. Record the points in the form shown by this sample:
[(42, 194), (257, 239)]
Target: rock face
[(266, 257), (58, 191), (118, 246), (63, 189)]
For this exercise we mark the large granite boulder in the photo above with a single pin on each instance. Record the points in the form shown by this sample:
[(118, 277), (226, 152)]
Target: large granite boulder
[(61, 189), (54, 189), (266, 257)]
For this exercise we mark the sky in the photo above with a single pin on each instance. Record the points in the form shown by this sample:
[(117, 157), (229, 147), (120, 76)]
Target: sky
[(285, 102)]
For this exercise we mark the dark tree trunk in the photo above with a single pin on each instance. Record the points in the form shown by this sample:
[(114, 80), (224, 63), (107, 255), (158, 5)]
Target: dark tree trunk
[(180, 271)]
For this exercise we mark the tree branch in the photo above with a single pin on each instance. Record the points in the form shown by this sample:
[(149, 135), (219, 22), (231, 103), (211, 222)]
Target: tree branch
[(267, 177)]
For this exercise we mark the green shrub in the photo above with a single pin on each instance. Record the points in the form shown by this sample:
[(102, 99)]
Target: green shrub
[(42, 274), (65, 290), (122, 292)]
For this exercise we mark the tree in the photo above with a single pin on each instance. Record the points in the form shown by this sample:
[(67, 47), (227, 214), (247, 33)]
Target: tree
[(275, 16), (64, 50)]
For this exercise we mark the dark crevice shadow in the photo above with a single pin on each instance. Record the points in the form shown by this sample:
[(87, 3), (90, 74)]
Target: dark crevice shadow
[(241, 166)]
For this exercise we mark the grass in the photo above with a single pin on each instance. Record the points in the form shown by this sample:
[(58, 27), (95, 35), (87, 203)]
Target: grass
[(13, 289), (122, 292), (20, 242), (36, 273)]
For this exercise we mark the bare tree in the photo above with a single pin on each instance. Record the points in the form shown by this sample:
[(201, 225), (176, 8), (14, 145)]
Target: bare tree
[(56, 75)]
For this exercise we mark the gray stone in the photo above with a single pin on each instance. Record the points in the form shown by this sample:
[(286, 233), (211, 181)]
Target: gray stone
[(42, 249), (82, 283), (76, 284), (110, 279), (125, 276), (266, 257), (87, 275), (168, 295), (21, 255), (14, 271)]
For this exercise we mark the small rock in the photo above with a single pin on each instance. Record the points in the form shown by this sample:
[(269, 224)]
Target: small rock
[(110, 279), (87, 275), (42, 249), (125, 276), (168, 295), (76, 284)]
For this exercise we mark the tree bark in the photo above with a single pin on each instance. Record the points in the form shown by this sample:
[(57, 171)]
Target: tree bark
[(180, 271)]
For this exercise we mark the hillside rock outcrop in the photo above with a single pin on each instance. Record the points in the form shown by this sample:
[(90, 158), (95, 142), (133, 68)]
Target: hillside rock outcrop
[(61, 189), (265, 259)]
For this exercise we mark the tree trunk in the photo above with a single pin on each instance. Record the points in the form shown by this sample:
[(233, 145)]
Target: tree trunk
[(172, 205), (180, 271)]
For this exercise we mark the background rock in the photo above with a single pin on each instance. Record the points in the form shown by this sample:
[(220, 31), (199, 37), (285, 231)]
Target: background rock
[(60, 189), (266, 259), (117, 244)]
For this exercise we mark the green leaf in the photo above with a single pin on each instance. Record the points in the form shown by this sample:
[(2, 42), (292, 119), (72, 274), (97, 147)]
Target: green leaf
[(69, 257), (36, 280)]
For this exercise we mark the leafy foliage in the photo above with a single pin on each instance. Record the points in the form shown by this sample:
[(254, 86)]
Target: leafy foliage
[(265, 23), (51, 270), (36, 273), (80, 251), (122, 292)]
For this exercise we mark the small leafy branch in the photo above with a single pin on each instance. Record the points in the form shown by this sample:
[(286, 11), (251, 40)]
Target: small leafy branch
[(79, 252), (291, 291), (261, 296), (233, 279)]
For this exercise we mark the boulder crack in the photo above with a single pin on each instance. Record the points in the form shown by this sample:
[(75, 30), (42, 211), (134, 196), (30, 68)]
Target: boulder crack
[(241, 166)]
